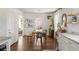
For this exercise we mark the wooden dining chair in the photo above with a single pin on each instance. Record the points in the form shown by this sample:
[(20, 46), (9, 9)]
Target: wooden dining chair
[(39, 35), (45, 34)]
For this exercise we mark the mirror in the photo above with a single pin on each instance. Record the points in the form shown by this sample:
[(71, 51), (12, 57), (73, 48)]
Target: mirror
[(64, 20), (64, 23), (74, 19)]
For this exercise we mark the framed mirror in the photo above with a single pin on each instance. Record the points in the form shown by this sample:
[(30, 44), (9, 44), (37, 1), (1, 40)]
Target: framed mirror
[(64, 20), (74, 19)]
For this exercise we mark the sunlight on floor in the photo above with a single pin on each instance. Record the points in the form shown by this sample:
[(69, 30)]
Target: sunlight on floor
[(20, 42)]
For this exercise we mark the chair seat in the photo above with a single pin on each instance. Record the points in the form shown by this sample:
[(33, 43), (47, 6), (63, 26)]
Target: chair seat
[(39, 35)]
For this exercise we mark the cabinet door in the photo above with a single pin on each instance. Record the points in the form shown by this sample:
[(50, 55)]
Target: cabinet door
[(70, 45), (74, 46), (12, 28), (59, 39), (66, 44)]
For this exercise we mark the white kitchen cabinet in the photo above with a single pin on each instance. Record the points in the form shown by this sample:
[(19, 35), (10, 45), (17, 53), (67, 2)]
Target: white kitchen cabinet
[(74, 45), (67, 44), (9, 24), (12, 27)]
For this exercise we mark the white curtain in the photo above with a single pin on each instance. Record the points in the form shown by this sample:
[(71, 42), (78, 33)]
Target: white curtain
[(56, 17)]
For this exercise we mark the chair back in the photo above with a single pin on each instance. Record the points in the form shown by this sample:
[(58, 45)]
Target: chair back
[(39, 34)]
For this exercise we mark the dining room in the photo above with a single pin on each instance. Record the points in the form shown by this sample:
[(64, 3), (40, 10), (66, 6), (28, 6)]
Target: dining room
[(38, 32)]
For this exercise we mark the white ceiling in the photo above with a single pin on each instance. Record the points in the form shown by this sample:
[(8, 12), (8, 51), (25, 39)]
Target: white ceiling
[(38, 10)]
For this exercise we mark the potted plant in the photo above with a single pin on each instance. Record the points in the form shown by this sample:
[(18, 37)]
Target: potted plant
[(59, 27), (52, 27)]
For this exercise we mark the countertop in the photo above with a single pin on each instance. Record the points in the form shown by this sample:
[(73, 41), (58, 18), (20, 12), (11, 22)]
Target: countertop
[(73, 37), (4, 39)]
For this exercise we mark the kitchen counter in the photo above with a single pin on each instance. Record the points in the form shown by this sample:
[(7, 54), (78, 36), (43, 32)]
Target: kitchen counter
[(73, 37), (6, 41), (3, 39), (68, 42)]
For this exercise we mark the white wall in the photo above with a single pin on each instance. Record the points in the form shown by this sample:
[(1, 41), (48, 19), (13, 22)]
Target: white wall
[(9, 23), (34, 16), (3, 24), (69, 11), (70, 27)]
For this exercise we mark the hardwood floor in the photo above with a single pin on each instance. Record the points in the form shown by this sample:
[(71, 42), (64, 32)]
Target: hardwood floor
[(28, 44)]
